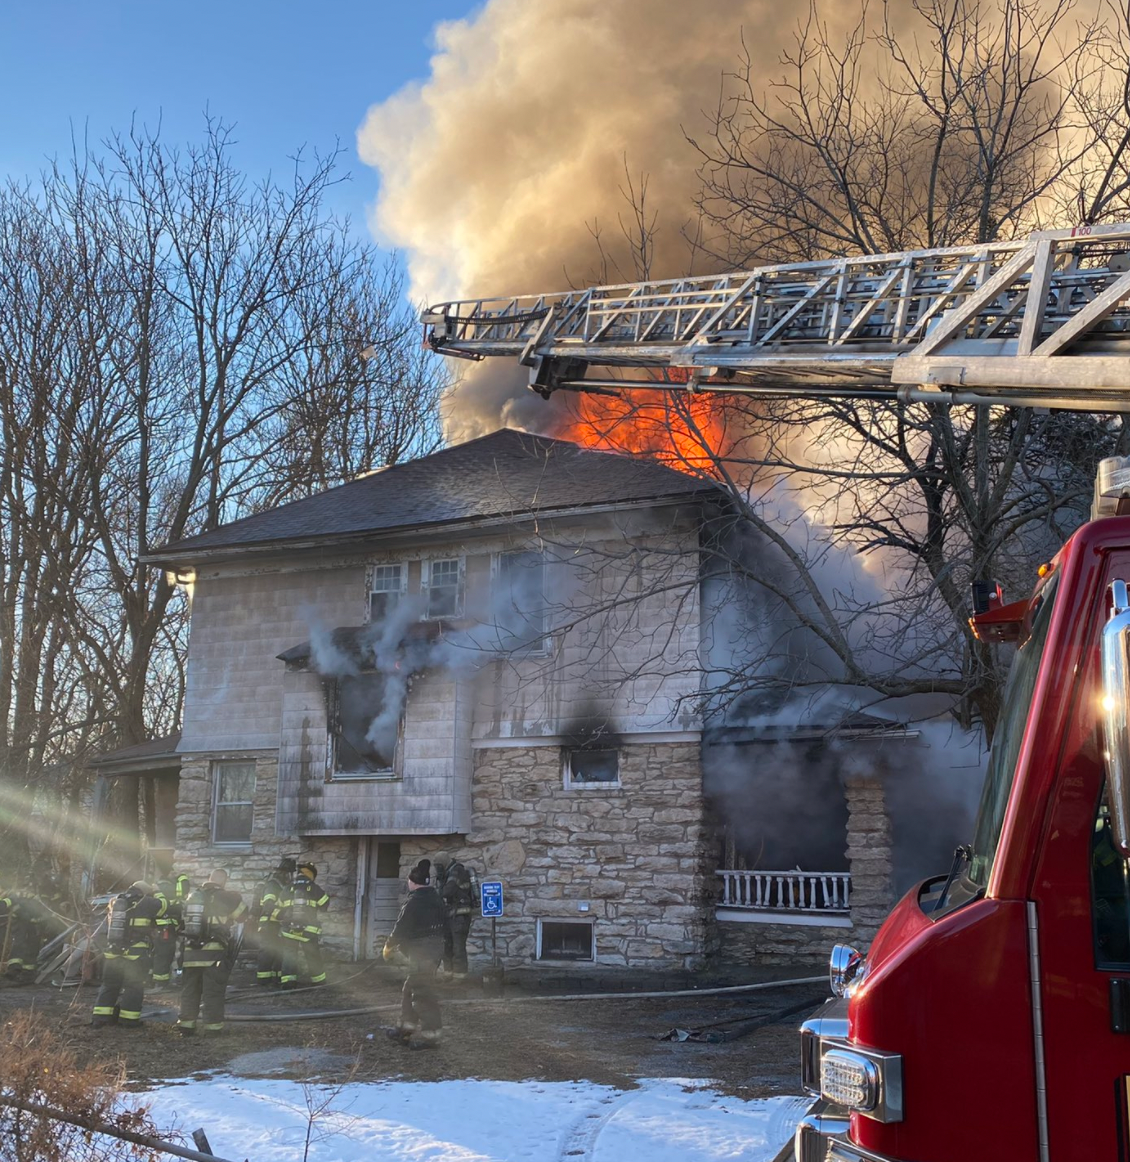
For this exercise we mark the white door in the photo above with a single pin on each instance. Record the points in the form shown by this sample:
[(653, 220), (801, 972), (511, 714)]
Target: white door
[(383, 893)]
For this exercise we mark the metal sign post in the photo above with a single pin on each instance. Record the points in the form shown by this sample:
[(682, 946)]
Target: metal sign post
[(492, 907)]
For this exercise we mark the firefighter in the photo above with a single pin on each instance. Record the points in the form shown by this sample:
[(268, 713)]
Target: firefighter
[(300, 925), (269, 897), (458, 895), (174, 890), (419, 935), (19, 944), (53, 893), (210, 915), (131, 921)]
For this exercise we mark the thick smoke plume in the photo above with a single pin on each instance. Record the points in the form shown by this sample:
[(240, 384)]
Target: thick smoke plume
[(496, 170)]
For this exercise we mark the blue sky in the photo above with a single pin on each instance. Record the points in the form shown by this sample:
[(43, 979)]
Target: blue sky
[(287, 73)]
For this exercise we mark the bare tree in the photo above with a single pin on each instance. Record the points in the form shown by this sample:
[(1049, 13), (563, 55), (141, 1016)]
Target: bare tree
[(178, 347), (850, 531), (956, 131)]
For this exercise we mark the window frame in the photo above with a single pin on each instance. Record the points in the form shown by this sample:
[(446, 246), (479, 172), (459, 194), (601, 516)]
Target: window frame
[(388, 774), (572, 784), (543, 646), (539, 954), (401, 591), (218, 771), (426, 568)]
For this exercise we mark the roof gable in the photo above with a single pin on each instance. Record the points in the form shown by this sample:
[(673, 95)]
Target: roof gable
[(505, 473)]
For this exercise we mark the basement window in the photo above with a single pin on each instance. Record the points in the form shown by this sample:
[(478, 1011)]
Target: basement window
[(444, 585), (565, 940), (386, 589), (590, 767), (363, 737)]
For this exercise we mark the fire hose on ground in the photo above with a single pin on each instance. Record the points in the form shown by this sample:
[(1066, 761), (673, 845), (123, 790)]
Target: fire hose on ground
[(365, 1010)]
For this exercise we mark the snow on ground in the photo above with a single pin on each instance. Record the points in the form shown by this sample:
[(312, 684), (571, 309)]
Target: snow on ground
[(664, 1120)]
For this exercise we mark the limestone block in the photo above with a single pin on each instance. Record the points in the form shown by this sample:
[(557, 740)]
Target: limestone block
[(661, 896), (507, 857), (657, 863), (604, 888)]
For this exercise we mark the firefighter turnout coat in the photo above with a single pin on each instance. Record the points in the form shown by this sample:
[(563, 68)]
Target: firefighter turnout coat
[(19, 943), (131, 921), (300, 919), (210, 915)]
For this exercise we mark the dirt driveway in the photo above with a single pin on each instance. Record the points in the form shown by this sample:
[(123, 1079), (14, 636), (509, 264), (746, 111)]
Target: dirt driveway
[(525, 1034)]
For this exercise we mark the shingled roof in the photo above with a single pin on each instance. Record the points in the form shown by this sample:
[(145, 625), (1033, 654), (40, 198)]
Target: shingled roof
[(507, 472)]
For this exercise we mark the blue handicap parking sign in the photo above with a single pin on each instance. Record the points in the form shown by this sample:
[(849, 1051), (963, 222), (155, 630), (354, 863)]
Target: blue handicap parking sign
[(492, 898)]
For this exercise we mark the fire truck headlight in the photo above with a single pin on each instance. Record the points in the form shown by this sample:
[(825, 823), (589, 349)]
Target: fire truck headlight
[(867, 1082), (846, 1079)]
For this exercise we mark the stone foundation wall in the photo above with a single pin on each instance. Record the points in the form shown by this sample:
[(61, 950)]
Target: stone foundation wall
[(777, 944), (635, 860), (335, 856)]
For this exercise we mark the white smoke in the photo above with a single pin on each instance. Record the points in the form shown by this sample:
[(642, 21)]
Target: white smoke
[(328, 657), (496, 170)]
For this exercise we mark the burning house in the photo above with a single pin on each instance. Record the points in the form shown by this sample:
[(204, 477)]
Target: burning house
[(495, 654)]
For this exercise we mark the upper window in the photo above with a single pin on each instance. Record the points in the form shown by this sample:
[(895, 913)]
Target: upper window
[(519, 602), (386, 590), (445, 587), (364, 730), (586, 767), (232, 802)]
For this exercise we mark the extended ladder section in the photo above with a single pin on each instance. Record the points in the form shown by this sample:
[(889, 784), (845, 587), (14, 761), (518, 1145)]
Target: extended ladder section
[(1040, 322)]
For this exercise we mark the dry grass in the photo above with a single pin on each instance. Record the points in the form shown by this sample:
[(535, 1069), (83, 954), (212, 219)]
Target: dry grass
[(39, 1069)]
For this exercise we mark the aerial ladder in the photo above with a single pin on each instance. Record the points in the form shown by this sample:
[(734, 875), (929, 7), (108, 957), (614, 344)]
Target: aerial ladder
[(1042, 321)]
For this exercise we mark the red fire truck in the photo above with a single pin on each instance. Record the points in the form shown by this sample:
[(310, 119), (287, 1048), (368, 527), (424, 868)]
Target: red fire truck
[(1013, 969), (990, 1019)]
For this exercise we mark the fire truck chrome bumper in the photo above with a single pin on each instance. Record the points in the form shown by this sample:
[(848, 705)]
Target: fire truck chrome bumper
[(822, 1137)]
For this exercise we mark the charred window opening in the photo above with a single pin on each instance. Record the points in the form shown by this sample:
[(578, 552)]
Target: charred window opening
[(781, 805), (233, 802), (565, 940), (520, 604), (364, 734), (386, 590), (445, 588), (592, 767)]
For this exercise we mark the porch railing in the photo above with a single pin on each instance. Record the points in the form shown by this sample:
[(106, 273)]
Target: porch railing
[(826, 893)]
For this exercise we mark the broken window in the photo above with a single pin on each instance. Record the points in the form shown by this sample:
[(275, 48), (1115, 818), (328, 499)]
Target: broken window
[(386, 590), (590, 767), (445, 588), (565, 940), (519, 602), (364, 728), (233, 795)]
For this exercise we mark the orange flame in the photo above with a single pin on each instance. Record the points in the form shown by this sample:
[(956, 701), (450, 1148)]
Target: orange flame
[(686, 432)]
